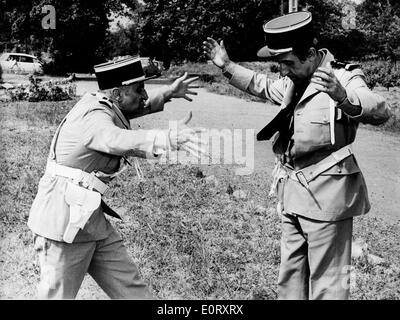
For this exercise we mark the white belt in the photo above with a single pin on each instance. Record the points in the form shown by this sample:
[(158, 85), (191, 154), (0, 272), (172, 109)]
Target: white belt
[(88, 180)]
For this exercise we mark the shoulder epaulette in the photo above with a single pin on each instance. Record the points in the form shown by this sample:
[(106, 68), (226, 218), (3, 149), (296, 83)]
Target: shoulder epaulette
[(352, 66), (105, 101), (344, 65)]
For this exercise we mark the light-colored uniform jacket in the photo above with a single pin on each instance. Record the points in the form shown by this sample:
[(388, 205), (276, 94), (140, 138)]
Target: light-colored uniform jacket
[(340, 191), (93, 137)]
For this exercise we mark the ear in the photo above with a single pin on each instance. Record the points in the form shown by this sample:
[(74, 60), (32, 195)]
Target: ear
[(116, 94), (312, 53)]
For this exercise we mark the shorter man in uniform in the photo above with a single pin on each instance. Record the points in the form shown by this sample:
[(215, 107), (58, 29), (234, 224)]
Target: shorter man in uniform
[(72, 235), (319, 184)]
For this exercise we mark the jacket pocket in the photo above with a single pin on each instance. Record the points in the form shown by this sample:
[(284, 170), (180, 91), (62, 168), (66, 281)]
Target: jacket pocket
[(319, 126), (312, 130)]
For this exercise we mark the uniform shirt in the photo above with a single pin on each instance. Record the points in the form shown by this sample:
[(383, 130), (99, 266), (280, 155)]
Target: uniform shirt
[(339, 192), (93, 137)]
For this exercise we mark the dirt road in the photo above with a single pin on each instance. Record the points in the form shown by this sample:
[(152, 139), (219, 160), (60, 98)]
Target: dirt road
[(378, 153)]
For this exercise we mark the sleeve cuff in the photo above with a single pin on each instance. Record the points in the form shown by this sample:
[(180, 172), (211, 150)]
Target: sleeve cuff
[(158, 143), (351, 101), (241, 77)]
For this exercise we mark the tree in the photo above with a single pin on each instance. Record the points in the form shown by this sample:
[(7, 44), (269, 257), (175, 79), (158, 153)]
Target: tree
[(121, 42), (175, 29), (380, 22), (75, 44)]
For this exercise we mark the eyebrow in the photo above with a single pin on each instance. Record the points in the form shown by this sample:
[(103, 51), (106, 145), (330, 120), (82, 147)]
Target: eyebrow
[(286, 61)]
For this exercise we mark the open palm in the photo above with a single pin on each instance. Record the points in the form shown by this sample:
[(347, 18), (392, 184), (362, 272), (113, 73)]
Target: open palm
[(216, 52)]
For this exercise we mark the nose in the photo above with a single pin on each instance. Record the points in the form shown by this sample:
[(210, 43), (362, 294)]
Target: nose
[(144, 94), (283, 70)]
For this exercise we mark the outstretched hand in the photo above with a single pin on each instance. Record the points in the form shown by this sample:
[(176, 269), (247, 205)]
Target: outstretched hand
[(181, 87), (186, 138), (216, 52)]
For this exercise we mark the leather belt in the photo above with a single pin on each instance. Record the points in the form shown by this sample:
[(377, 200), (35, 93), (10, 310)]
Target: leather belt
[(307, 174)]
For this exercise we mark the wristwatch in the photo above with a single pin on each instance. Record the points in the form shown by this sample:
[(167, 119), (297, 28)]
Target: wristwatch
[(226, 73)]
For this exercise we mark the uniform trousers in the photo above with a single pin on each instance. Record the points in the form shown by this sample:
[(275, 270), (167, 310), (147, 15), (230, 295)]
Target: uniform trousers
[(315, 258), (63, 267)]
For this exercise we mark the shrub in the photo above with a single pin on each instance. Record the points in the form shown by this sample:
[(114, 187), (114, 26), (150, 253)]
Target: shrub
[(384, 73), (1, 73), (47, 91)]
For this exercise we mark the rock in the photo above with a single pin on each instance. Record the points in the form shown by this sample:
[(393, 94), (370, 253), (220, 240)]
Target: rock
[(375, 260), (239, 194), (7, 86), (359, 248)]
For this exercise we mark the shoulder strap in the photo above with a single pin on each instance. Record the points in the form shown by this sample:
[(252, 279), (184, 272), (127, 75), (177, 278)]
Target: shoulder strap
[(52, 155), (344, 65)]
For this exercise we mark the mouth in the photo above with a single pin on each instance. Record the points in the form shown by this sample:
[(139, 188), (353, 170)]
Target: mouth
[(140, 107)]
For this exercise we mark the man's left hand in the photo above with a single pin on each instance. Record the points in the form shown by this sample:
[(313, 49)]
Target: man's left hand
[(181, 87), (327, 82)]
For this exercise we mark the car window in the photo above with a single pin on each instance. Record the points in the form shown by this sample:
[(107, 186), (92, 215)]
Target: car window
[(12, 58), (26, 59)]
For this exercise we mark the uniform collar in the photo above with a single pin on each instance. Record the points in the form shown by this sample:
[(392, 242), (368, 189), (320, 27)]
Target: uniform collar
[(327, 57), (102, 97)]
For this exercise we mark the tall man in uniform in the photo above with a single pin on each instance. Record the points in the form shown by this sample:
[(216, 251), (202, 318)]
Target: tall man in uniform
[(89, 148), (317, 179)]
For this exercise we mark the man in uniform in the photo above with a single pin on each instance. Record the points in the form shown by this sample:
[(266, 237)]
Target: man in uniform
[(317, 179), (72, 235)]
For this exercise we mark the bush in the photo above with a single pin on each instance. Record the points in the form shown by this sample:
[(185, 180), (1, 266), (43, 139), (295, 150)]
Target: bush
[(46, 91), (1, 73), (384, 73)]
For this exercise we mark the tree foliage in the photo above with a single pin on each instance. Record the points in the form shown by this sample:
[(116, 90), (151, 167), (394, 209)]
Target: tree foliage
[(176, 29), (380, 23), (81, 27), (238, 22)]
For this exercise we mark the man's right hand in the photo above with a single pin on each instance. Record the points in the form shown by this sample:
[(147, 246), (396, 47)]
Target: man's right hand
[(186, 138), (216, 52)]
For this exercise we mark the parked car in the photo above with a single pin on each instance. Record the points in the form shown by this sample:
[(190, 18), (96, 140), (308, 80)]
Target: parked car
[(151, 66), (12, 62)]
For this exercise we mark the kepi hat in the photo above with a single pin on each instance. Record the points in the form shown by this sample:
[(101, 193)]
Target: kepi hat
[(285, 32), (120, 73)]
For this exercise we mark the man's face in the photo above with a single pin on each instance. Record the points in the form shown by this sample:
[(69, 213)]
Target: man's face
[(298, 71), (132, 99)]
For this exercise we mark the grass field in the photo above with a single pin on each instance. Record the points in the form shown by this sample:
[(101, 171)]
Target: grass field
[(189, 235)]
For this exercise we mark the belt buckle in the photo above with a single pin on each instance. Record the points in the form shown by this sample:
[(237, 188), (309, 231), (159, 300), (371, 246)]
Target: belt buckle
[(83, 181), (302, 179)]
